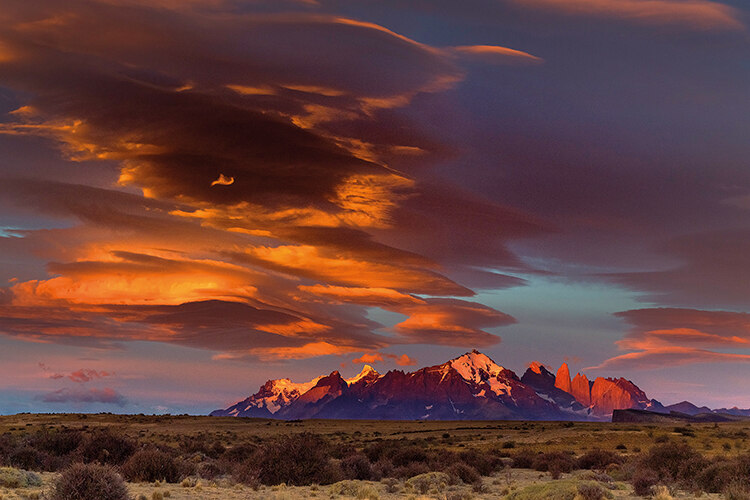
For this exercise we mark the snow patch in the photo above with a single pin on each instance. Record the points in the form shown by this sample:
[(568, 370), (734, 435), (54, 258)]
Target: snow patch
[(365, 372), (478, 368)]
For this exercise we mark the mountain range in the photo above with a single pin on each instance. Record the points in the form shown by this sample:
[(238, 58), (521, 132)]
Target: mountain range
[(469, 387)]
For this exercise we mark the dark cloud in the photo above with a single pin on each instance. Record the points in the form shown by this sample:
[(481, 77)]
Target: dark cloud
[(81, 396), (708, 271)]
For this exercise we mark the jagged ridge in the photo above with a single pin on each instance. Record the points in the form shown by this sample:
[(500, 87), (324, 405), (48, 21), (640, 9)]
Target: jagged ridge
[(471, 386)]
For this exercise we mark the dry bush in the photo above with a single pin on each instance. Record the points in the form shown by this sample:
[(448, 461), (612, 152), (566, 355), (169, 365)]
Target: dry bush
[(662, 493), (429, 481), (354, 489), (667, 459), (598, 459), (17, 478), (107, 447), (151, 465), (464, 472), (357, 466), (297, 459), (643, 481), (591, 491), (524, 459), (555, 463), (411, 470), (89, 482), (737, 490)]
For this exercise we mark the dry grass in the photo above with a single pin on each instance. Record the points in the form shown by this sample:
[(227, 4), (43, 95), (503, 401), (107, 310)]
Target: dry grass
[(184, 433)]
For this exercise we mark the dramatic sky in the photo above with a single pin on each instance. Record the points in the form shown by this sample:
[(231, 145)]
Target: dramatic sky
[(197, 196)]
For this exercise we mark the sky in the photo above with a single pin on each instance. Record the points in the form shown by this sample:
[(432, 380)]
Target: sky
[(198, 196)]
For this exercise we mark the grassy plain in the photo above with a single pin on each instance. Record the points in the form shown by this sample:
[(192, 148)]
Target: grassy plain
[(714, 441)]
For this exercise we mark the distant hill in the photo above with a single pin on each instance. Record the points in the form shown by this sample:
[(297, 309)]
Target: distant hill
[(643, 416)]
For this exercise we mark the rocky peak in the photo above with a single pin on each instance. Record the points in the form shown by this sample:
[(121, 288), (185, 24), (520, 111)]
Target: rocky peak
[(476, 367), (367, 373), (581, 389), (562, 380)]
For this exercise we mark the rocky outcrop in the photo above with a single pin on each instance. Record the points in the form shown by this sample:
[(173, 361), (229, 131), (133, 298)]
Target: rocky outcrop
[(581, 389), (608, 394), (562, 380)]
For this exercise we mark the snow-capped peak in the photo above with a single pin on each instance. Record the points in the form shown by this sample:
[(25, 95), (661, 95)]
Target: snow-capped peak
[(477, 368), (280, 392), (366, 370)]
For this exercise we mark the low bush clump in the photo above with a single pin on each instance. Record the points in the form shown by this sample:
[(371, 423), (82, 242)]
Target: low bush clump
[(429, 481), (297, 459), (18, 478), (151, 465), (598, 459), (89, 482), (643, 481), (464, 472), (565, 489), (106, 447), (357, 466), (555, 463), (354, 489)]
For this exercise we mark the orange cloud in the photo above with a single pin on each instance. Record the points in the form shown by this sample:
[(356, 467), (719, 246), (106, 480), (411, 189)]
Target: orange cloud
[(690, 14), (380, 297), (451, 322), (377, 357), (345, 269), (494, 54), (285, 262), (223, 180), (371, 358), (673, 336)]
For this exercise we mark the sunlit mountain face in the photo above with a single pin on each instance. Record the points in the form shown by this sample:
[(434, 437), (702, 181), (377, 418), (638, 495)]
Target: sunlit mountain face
[(197, 197)]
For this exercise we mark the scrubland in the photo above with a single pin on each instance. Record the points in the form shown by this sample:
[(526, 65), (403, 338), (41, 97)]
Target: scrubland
[(118, 457)]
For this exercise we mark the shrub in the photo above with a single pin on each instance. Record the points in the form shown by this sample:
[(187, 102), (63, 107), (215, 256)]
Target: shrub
[(598, 459), (354, 490), (591, 491), (524, 459), (411, 470), (464, 472), (27, 458), (555, 462), (106, 447), (554, 490), (667, 459), (298, 459), (151, 465), (423, 483), (17, 478), (484, 463), (643, 481), (716, 476), (58, 443), (662, 493), (737, 490), (247, 473), (240, 453), (408, 455), (357, 466), (89, 482)]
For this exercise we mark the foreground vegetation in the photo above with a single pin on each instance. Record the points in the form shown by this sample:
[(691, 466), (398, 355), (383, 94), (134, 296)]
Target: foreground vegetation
[(70, 456)]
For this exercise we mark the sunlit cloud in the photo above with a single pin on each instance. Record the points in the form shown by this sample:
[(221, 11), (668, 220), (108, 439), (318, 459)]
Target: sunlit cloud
[(671, 337), (494, 54), (689, 14)]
